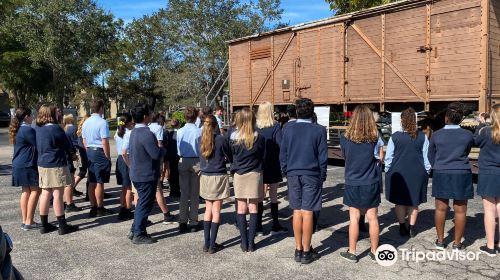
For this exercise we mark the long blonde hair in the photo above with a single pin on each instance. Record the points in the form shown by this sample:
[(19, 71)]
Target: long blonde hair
[(67, 121), (495, 124), (362, 128), (80, 126), (208, 136), (265, 115), (245, 124)]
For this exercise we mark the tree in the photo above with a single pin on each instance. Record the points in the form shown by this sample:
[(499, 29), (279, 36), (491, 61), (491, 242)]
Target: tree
[(68, 36), (198, 31), (348, 6)]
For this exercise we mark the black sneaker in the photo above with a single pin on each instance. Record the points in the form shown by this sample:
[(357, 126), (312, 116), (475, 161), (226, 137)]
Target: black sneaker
[(168, 219), (251, 247), (215, 249), (276, 230), (497, 248), (124, 214), (130, 235), (77, 192), (440, 245), (488, 252), (73, 208), (101, 212), (48, 228), (372, 257), (298, 255), (183, 228), (412, 231), (67, 229), (309, 257), (143, 239), (205, 249), (195, 228), (349, 256), (403, 230), (458, 247), (93, 213)]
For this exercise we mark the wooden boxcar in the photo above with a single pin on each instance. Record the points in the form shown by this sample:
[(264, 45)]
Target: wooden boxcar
[(420, 52)]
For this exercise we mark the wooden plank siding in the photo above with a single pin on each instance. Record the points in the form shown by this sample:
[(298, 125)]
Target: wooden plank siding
[(420, 53), (495, 52)]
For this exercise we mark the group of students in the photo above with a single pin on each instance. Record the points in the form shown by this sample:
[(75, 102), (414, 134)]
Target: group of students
[(260, 152)]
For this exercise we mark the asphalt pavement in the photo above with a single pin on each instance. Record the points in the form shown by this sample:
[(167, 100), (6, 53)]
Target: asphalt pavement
[(101, 250)]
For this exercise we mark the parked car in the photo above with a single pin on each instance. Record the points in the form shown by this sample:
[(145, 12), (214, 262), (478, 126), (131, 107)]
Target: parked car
[(7, 269), (4, 119)]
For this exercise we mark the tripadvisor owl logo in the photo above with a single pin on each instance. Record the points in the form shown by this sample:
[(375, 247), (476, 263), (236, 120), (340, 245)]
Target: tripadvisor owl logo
[(386, 255)]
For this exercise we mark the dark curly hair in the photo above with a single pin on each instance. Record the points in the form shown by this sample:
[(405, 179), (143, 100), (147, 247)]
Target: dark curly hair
[(409, 122)]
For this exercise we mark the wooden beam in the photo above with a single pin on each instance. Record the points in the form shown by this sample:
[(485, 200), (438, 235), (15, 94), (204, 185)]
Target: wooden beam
[(250, 71), (390, 64), (382, 68), (272, 63), (484, 104), (343, 68), (269, 75), (428, 58)]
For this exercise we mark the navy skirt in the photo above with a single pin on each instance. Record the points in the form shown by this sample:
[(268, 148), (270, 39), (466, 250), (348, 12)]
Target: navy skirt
[(25, 176), (457, 186), (488, 185), (122, 173), (366, 196)]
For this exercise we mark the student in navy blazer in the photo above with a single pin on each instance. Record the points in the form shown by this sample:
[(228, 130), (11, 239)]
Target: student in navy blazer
[(24, 166), (449, 151), (488, 185), (145, 162)]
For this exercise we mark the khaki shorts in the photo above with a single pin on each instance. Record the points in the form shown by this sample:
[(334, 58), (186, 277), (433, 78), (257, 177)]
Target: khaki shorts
[(55, 177)]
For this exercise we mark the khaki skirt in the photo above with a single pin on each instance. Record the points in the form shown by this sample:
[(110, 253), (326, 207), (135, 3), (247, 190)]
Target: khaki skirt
[(214, 187), (55, 177), (248, 185)]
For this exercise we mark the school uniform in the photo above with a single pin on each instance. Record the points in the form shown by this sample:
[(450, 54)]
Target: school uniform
[(53, 146), (71, 134), (122, 170), (489, 164), (449, 151), (24, 160), (188, 147), (406, 169), (247, 167), (173, 158), (271, 165), (362, 174), (304, 161), (214, 180), (94, 130), (157, 131), (145, 161)]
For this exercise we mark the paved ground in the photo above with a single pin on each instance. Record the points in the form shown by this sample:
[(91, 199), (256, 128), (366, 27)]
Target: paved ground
[(100, 250)]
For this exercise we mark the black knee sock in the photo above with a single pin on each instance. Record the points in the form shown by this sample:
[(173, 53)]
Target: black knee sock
[(214, 229), (274, 214), (315, 220), (242, 225), (260, 213), (62, 221), (236, 211), (45, 220), (206, 232), (252, 227)]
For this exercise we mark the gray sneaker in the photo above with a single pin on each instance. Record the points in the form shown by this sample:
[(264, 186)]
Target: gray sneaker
[(33, 226)]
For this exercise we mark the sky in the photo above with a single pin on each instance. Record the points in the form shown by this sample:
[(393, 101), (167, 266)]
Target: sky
[(295, 11)]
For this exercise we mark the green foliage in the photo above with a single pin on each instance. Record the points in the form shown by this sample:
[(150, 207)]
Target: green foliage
[(179, 116), (348, 6)]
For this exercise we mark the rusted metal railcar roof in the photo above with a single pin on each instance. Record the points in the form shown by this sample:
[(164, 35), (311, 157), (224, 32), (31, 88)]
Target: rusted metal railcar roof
[(405, 4)]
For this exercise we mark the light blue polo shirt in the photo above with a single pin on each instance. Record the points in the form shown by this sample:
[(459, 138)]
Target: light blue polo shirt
[(125, 148), (188, 141), (119, 141), (157, 130), (94, 130)]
